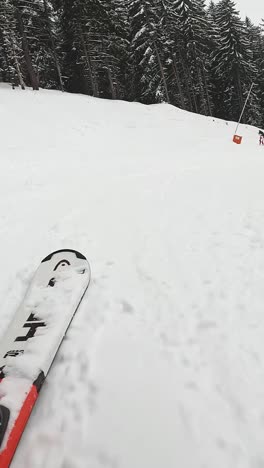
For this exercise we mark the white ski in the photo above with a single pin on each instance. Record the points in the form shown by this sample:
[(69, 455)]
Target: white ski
[(33, 338)]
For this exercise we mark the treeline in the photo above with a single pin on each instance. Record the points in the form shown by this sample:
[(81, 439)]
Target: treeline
[(202, 59)]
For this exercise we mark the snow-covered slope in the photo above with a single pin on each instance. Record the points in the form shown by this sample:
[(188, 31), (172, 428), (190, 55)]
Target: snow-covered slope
[(163, 366)]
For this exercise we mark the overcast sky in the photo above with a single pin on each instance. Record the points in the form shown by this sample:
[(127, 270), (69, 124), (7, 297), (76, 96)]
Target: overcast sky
[(252, 8)]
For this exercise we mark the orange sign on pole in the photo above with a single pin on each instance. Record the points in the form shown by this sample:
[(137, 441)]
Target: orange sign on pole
[(237, 139)]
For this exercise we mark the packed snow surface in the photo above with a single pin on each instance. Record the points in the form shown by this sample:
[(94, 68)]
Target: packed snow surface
[(163, 366)]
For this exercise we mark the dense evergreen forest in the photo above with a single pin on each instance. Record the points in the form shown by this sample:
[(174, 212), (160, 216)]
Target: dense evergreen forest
[(202, 59)]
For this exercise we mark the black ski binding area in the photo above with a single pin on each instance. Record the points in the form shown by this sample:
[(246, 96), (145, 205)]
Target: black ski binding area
[(4, 418), (62, 263), (52, 282), (2, 374), (78, 254)]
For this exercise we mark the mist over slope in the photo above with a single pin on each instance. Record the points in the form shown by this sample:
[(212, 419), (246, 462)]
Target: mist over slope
[(163, 364)]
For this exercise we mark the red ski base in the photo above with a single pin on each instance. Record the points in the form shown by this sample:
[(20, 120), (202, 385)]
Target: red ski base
[(7, 454)]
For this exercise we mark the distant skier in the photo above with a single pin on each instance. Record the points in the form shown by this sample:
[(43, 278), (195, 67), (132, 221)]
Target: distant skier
[(261, 137)]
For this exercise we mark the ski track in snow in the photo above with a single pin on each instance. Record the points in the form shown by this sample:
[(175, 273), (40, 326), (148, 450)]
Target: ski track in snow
[(163, 364)]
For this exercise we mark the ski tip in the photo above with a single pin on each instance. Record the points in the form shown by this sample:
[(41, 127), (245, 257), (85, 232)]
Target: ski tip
[(4, 418), (78, 254)]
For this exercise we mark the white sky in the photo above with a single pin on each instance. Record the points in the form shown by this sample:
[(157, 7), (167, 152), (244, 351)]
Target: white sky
[(252, 8)]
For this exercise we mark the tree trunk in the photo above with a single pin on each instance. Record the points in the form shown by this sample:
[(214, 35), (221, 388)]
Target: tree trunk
[(190, 92), (109, 72), (53, 47), (158, 58), (17, 66), (239, 91), (203, 102), (111, 82), (6, 75), (88, 63), (162, 72), (31, 72), (207, 91), (176, 74)]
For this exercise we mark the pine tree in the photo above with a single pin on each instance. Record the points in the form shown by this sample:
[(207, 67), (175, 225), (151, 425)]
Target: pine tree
[(11, 53), (171, 44), (213, 41), (28, 44), (115, 50), (52, 45), (194, 28), (232, 62), (148, 73), (24, 14), (95, 46), (260, 78), (108, 44), (254, 113)]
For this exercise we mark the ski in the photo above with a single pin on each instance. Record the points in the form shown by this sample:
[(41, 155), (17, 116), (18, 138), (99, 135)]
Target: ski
[(33, 338)]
